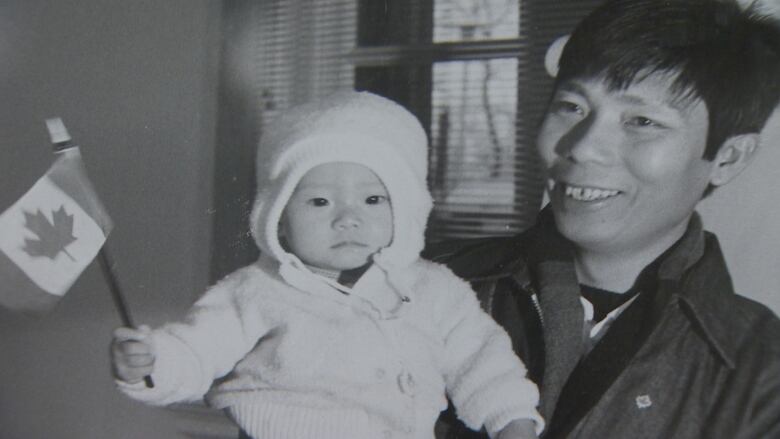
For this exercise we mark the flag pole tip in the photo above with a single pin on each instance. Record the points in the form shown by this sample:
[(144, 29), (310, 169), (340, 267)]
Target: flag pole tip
[(57, 130)]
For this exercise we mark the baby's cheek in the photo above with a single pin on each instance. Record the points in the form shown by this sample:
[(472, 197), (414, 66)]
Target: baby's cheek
[(381, 226)]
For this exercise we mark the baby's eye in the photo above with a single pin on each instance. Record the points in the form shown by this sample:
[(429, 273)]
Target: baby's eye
[(376, 199), (318, 202)]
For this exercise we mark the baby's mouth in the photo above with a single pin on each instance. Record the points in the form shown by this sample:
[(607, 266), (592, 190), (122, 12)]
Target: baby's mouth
[(344, 244)]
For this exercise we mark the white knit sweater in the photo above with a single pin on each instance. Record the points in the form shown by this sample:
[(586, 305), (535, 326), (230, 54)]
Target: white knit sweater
[(322, 363)]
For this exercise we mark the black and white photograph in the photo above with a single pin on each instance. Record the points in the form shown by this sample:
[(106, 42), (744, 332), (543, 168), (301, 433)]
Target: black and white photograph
[(389, 219)]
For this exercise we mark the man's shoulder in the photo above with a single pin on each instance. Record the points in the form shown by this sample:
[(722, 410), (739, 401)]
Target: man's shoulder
[(756, 354), (743, 331), (757, 323), (476, 258)]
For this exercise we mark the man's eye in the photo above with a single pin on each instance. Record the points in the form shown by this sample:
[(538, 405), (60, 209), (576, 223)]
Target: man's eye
[(641, 121), (376, 199), (564, 107), (318, 202)]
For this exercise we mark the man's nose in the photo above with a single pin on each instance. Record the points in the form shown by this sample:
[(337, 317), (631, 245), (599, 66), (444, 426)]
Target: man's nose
[(590, 140), (347, 218)]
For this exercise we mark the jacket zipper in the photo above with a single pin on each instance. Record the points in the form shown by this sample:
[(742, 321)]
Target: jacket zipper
[(535, 299)]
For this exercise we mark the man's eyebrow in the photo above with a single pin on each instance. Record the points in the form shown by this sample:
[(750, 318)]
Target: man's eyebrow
[(571, 87), (675, 102), (637, 100), (670, 101), (577, 88)]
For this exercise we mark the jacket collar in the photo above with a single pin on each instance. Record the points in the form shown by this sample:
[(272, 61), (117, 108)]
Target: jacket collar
[(696, 274), (693, 274), (550, 273)]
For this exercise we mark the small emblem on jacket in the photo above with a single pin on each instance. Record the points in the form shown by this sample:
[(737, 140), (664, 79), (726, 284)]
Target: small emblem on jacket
[(643, 401)]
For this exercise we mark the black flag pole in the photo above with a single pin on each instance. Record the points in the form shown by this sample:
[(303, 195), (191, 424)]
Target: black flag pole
[(107, 265), (61, 141)]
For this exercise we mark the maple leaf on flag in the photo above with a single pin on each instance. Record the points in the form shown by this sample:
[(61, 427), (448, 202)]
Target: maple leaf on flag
[(53, 236)]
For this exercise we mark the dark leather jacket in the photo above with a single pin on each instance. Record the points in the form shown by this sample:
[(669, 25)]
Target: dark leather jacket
[(709, 366)]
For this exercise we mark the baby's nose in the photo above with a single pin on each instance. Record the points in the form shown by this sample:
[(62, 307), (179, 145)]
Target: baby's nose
[(347, 219)]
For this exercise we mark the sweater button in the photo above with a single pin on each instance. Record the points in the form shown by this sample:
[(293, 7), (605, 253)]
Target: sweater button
[(380, 373), (406, 383)]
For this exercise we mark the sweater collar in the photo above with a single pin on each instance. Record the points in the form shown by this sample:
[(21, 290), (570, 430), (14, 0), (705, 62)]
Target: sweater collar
[(383, 290)]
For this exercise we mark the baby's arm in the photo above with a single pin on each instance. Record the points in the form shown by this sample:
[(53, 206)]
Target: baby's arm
[(485, 379), (184, 358)]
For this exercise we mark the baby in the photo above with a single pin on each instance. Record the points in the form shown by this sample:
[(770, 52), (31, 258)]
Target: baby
[(339, 330)]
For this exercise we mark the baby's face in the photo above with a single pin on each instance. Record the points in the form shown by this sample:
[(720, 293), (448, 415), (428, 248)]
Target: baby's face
[(337, 217)]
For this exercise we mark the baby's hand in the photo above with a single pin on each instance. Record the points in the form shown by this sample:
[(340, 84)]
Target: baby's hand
[(518, 429), (132, 355)]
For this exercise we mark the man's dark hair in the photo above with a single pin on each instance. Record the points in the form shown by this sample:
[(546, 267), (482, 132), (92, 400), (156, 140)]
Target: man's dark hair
[(713, 51)]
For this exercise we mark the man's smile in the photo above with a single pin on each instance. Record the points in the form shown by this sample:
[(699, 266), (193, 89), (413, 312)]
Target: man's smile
[(589, 193), (582, 192)]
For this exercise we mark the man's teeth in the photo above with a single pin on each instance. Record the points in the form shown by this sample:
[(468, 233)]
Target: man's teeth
[(589, 194)]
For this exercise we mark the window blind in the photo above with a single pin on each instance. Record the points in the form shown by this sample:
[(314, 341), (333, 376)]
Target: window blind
[(299, 51), (471, 70)]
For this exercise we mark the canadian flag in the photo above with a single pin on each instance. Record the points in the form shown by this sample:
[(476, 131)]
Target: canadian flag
[(50, 235)]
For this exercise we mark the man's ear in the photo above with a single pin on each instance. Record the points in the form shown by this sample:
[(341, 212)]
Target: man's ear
[(733, 157)]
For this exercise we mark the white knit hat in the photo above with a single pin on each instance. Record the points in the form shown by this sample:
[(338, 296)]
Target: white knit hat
[(356, 127)]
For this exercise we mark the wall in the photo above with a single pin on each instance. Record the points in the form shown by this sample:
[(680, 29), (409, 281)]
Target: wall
[(745, 214), (135, 83)]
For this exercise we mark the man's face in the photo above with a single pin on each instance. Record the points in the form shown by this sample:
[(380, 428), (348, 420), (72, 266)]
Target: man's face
[(338, 216), (625, 166)]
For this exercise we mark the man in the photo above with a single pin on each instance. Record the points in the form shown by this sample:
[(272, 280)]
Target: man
[(619, 303)]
